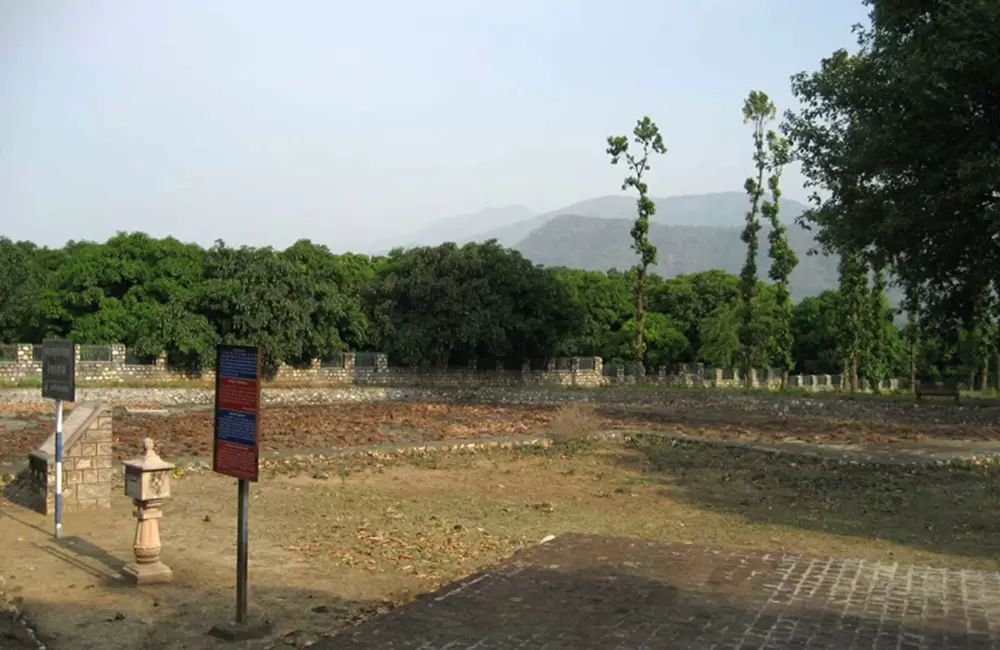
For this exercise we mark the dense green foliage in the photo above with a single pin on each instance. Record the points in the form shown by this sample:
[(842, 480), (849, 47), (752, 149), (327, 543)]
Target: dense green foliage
[(900, 140), (437, 306)]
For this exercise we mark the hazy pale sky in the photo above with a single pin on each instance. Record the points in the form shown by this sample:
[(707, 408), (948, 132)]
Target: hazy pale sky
[(352, 123)]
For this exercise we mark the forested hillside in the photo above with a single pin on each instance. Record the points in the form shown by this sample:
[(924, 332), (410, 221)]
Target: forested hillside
[(602, 244), (423, 306)]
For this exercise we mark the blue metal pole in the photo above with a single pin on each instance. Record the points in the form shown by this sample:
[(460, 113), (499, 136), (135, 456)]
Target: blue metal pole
[(59, 472)]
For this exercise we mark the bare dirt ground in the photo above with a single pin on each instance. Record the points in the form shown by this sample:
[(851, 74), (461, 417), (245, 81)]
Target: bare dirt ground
[(188, 433), (334, 544), (327, 552)]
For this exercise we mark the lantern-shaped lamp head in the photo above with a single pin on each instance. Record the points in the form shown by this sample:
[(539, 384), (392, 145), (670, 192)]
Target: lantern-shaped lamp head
[(147, 478)]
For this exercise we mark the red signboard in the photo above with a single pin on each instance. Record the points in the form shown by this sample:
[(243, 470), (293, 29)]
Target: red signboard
[(236, 449)]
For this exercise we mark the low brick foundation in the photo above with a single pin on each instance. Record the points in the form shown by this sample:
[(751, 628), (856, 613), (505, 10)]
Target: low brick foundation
[(87, 462)]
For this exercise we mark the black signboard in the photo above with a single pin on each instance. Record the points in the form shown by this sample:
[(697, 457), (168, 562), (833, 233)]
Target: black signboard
[(59, 370)]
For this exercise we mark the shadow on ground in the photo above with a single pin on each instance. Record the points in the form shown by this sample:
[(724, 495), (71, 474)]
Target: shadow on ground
[(72, 596), (180, 616), (19, 492), (597, 592), (767, 421), (948, 509)]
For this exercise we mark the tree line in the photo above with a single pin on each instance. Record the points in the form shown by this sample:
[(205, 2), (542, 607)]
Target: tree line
[(431, 306), (899, 141)]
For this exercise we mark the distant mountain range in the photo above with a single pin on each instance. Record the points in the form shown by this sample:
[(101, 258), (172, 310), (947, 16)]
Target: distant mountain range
[(693, 233)]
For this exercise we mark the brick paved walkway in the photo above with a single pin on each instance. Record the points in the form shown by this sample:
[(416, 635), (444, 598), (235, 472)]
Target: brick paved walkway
[(582, 592)]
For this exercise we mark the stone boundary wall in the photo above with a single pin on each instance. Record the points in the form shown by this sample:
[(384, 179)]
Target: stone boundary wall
[(903, 408), (87, 462), (586, 372)]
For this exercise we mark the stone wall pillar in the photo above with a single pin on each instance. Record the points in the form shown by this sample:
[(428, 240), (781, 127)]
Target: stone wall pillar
[(117, 354), (87, 462), (381, 362), (24, 354)]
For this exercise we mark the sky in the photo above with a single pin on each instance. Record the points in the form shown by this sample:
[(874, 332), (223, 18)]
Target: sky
[(351, 124)]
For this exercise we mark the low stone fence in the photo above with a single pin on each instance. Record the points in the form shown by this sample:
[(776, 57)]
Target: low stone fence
[(609, 399), (110, 364), (699, 375)]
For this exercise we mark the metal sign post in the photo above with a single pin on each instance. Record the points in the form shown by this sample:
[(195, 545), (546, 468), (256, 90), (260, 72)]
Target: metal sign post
[(236, 453), (59, 383)]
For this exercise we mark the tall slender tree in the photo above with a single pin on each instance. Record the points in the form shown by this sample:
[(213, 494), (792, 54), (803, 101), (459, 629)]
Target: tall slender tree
[(783, 258), (875, 344), (912, 306), (648, 140), (853, 272), (758, 110)]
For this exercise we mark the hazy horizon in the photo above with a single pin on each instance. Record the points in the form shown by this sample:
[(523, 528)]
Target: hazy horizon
[(353, 126)]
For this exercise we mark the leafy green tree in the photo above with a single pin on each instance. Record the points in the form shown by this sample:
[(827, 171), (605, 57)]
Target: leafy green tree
[(20, 290), (248, 296), (328, 288), (818, 322), (646, 135), (899, 139), (605, 301), (664, 342), (719, 335), (450, 304), (689, 299)]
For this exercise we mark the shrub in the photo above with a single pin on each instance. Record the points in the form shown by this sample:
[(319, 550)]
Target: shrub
[(573, 423)]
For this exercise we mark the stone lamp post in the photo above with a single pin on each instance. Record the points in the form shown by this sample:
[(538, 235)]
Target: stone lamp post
[(147, 483)]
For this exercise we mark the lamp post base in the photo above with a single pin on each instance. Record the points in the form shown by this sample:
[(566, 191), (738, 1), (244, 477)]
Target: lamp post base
[(146, 574), (251, 629)]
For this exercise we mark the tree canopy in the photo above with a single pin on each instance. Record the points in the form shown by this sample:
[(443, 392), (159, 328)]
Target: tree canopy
[(901, 140)]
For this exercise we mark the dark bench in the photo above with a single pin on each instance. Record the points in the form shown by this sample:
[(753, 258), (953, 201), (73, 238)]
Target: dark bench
[(938, 390)]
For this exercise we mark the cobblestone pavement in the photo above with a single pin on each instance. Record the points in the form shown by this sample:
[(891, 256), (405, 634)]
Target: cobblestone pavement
[(582, 592)]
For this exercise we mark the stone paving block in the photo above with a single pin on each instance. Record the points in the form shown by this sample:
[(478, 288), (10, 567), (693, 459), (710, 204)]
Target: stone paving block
[(590, 592)]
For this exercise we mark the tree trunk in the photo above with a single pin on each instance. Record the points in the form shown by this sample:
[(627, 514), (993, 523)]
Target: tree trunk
[(854, 372), (984, 381), (996, 370), (784, 378), (640, 319), (972, 378), (913, 366)]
